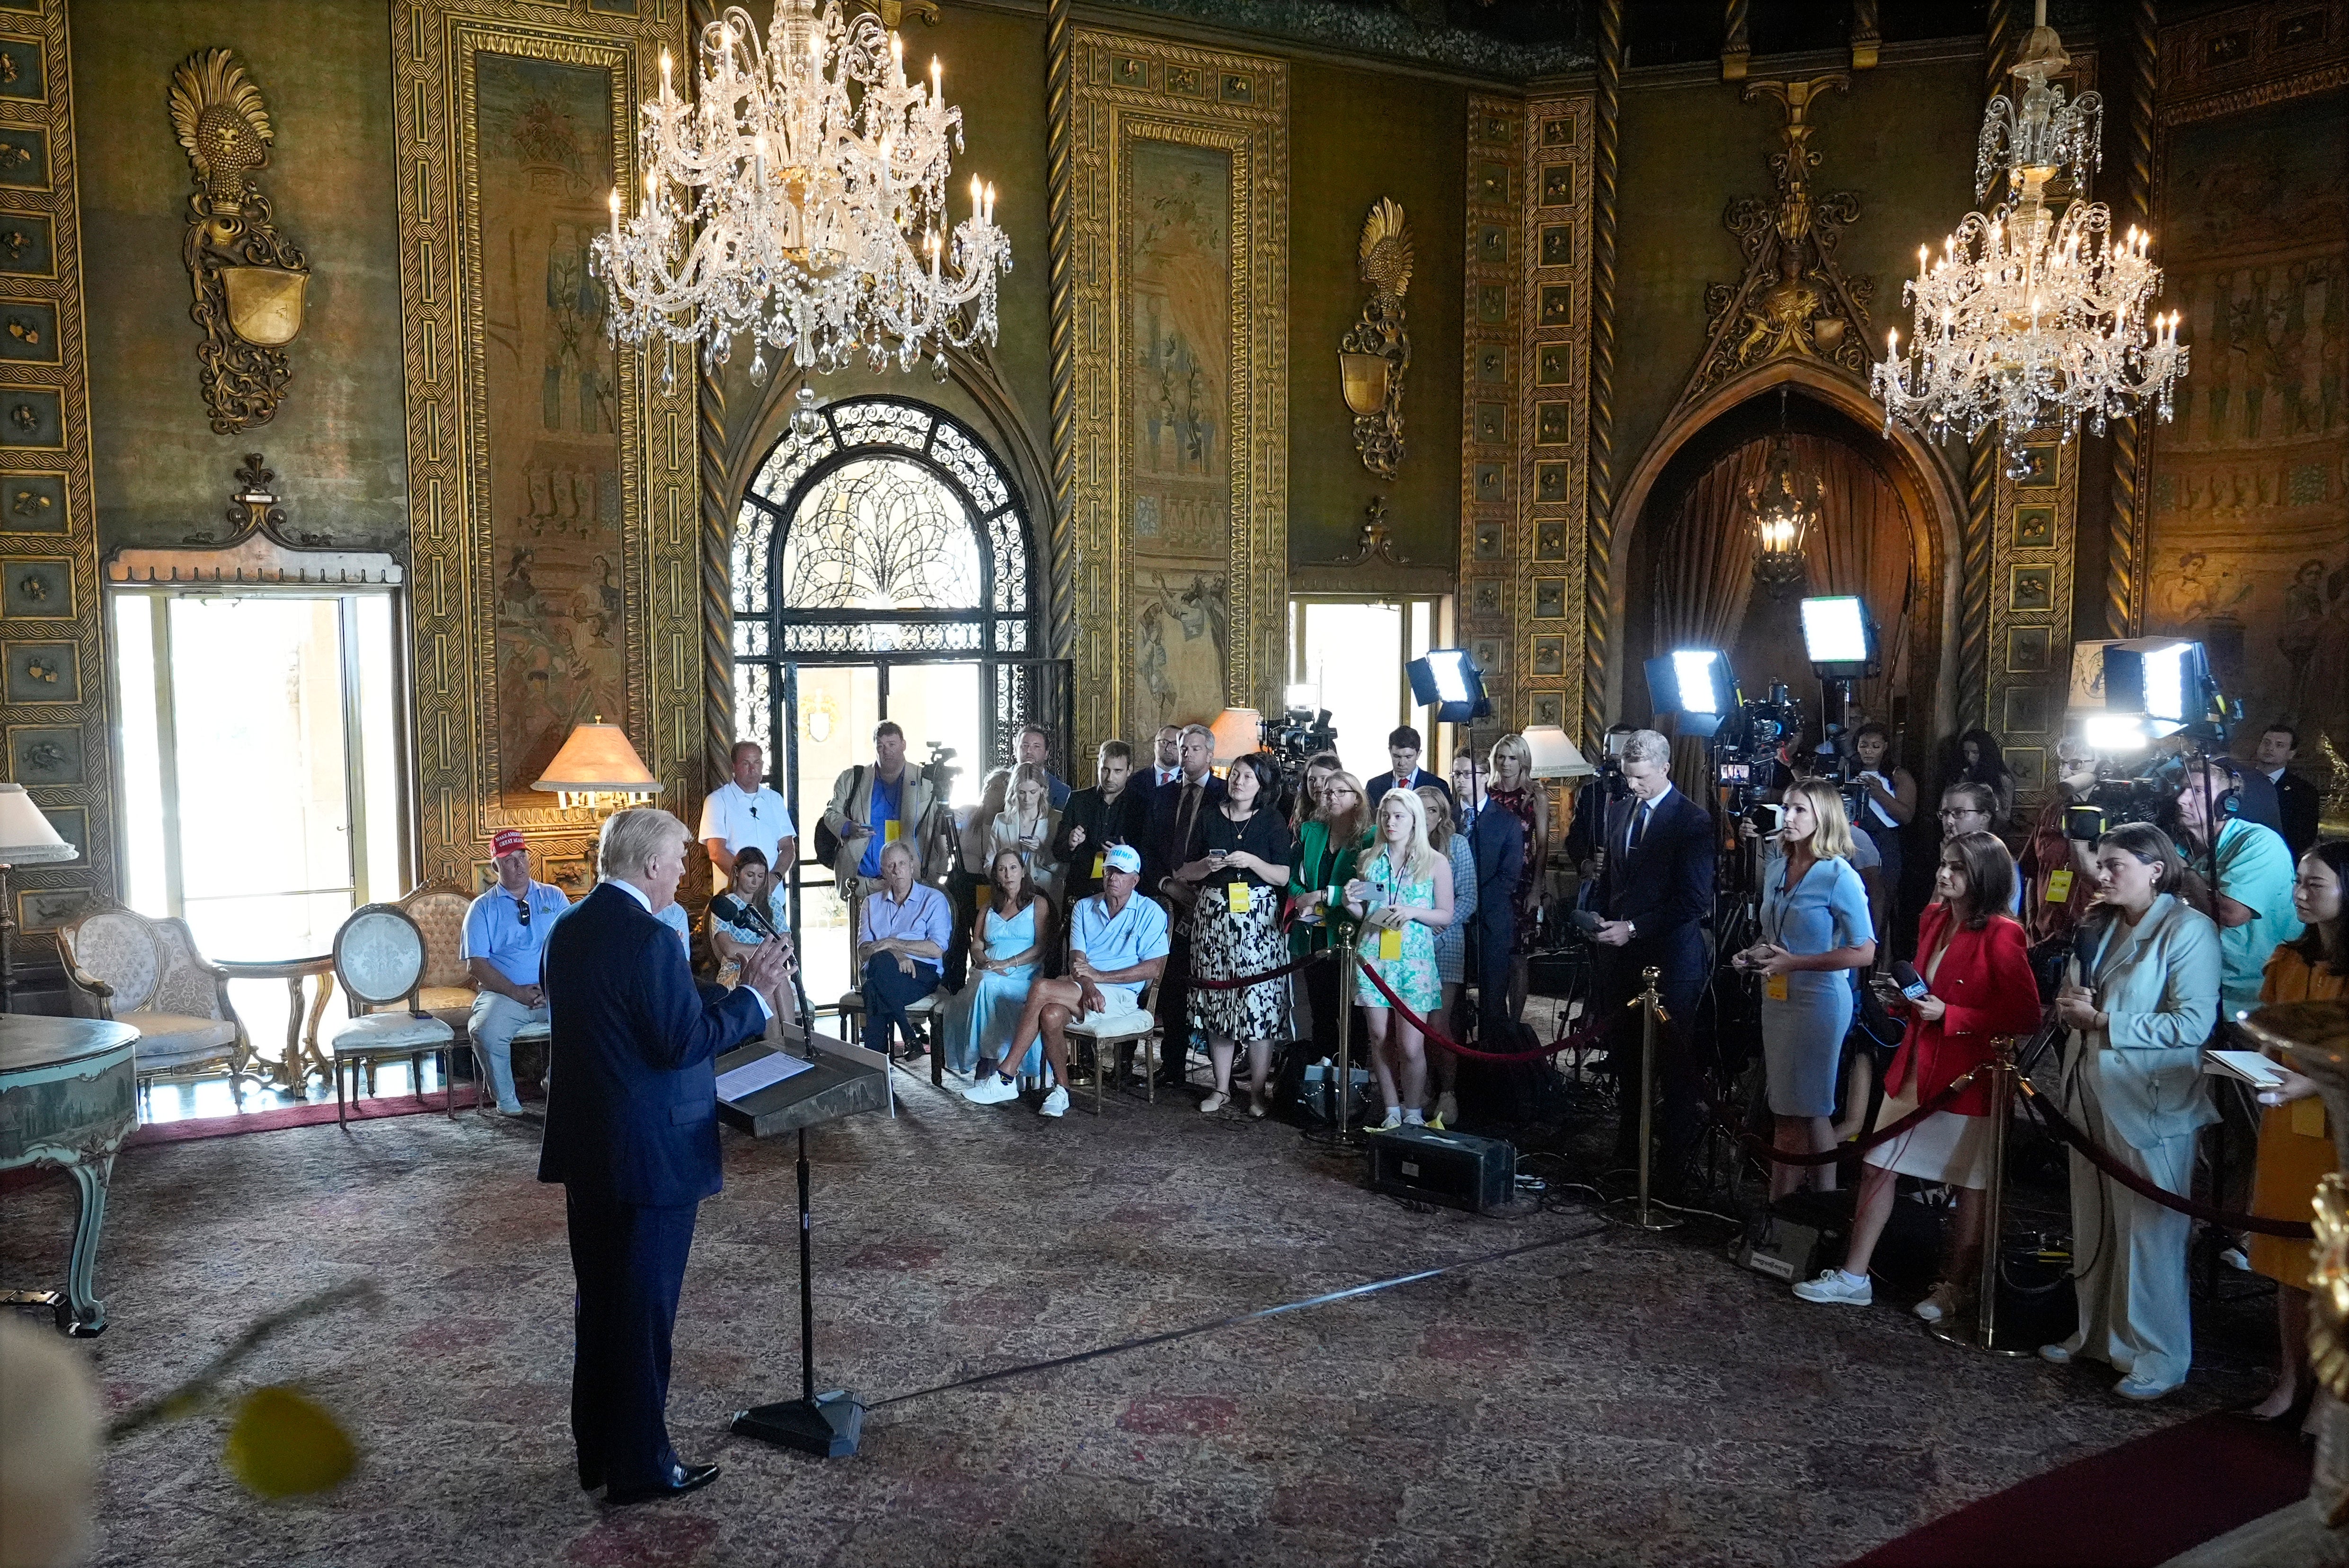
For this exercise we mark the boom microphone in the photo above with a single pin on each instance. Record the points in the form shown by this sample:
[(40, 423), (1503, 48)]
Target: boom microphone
[(734, 912)]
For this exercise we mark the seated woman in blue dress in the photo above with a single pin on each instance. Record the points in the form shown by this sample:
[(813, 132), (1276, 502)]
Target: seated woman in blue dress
[(1814, 929), (1012, 935)]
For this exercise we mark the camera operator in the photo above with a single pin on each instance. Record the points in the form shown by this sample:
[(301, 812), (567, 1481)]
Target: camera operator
[(1652, 898), (2252, 901), (1590, 804)]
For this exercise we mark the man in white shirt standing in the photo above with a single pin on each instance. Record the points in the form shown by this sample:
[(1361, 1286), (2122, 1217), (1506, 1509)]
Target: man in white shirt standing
[(744, 811)]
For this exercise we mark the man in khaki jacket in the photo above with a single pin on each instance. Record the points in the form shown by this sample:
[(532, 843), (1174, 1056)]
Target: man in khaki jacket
[(882, 804)]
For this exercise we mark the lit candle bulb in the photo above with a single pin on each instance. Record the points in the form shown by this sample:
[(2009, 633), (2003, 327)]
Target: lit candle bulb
[(1923, 253), (933, 76), (616, 206), (664, 70), (990, 203), (977, 191)]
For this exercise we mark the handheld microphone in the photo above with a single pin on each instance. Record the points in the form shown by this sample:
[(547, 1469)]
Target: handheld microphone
[(1912, 984)]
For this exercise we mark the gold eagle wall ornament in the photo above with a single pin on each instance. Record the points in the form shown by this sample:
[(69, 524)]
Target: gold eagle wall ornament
[(1374, 357), (250, 282)]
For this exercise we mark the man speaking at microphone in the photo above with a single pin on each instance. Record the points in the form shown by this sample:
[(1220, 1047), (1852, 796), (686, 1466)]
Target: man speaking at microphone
[(632, 1134)]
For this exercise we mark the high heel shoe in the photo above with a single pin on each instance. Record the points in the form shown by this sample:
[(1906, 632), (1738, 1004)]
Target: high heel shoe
[(2291, 1416)]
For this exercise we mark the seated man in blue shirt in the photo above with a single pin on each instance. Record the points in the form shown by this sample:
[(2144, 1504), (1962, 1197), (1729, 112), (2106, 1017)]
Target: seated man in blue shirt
[(1117, 944), (900, 937), (505, 930)]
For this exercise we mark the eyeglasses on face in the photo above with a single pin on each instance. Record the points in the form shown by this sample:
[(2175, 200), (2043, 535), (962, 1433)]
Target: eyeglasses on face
[(1950, 811)]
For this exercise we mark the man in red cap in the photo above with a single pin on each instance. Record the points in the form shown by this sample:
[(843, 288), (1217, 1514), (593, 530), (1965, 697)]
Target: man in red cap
[(505, 931)]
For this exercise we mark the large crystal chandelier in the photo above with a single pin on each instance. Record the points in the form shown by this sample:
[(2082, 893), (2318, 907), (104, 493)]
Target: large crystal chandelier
[(801, 197), (2031, 318)]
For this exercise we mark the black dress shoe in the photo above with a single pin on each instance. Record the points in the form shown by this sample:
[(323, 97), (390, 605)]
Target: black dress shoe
[(682, 1479), (591, 1477)]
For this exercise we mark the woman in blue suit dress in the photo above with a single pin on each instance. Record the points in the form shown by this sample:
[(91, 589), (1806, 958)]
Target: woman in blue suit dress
[(1011, 935), (1815, 931)]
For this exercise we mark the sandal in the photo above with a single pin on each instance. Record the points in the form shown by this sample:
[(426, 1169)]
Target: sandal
[(1256, 1104), (1214, 1103)]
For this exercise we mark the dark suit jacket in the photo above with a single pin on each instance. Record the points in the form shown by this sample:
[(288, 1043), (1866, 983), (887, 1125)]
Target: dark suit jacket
[(1497, 840), (632, 1102), (1380, 784), (2297, 802), (1161, 853), (1667, 883), (1124, 820)]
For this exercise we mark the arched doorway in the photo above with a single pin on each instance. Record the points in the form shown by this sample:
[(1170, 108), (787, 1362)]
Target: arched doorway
[(883, 568)]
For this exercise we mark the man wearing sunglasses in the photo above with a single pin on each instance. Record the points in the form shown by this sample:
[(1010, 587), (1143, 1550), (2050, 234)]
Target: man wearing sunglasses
[(505, 931)]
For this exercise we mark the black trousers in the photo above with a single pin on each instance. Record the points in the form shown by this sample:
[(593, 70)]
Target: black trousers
[(629, 1261), (1680, 956), (1175, 1002), (1492, 941)]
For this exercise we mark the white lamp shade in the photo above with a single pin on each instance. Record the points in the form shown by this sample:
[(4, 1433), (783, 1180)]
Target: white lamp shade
[(26, 837), (1237, 731), (597, 758), (1555, 756)]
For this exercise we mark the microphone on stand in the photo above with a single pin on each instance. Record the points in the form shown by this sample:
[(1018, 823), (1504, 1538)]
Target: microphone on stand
[(734, 912)]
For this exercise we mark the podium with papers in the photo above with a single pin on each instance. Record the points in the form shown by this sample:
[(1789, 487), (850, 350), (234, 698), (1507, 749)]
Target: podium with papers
[(766, 1092)]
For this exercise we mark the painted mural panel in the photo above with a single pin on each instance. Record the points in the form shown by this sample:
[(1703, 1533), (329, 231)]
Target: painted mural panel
[(2249, 545), (553, 407), (1179, 327)]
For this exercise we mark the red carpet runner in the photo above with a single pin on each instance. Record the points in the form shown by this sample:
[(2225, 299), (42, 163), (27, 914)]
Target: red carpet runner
[(2134, 1506)]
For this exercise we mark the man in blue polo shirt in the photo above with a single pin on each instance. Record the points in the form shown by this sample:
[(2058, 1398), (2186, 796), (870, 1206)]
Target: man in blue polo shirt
[(1117, 944), (505, 931)]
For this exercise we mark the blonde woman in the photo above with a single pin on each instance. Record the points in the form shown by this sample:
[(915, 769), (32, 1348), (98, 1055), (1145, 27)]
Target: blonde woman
[(1403, 895), (1814, 928), (1025, 825), (1514, 790)]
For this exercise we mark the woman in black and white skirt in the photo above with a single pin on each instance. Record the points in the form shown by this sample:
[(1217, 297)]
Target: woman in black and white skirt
[(1239, 856)]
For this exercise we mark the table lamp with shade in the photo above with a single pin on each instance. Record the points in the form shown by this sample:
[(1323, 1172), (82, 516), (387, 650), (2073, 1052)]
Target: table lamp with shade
[(1238, 732), (1554, 755), (26, 839), (598, 769)]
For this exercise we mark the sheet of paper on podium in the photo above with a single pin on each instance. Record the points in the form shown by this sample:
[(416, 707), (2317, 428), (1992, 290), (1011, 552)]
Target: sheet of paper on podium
[(758, 1073)]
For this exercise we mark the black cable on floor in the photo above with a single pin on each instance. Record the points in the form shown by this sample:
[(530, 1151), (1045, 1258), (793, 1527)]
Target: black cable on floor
[(1172, 1334)]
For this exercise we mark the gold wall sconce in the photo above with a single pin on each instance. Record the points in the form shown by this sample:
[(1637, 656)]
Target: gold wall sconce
[(1373, 358), (250, 282)]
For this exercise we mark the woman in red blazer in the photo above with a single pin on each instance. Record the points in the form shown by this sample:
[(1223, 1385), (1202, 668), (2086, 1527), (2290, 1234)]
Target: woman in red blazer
[(1976, 965)]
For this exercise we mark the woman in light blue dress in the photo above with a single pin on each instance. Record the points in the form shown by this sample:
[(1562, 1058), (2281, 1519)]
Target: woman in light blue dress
[(1815, 931), (1008, 940)]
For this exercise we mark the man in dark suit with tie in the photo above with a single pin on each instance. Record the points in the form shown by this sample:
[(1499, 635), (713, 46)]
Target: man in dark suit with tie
[(632, 1134), (2298, 807), (1402, 750), (1175, 812), (1497, 840), (1654, 894)]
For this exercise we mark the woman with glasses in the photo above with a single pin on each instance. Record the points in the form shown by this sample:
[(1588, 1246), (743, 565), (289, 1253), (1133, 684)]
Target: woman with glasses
[(1328, 844), (1975, 759), (1969, 808)]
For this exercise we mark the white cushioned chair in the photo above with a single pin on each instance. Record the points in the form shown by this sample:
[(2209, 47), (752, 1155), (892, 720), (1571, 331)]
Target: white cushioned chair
[(123, 966), (380, 960), (1110, 1040)]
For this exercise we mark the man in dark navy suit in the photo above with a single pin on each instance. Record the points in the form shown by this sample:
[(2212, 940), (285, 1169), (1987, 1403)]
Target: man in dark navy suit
[(1654, 895), (1174, 813), (1497, 840), (1402, 749), (632, 1134)]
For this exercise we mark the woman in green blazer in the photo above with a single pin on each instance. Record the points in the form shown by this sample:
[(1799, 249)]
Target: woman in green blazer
[(1328, 845)]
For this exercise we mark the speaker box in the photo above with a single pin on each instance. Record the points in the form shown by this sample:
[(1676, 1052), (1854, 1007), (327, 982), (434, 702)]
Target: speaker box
[(1447, 1168), (1795, 1237)]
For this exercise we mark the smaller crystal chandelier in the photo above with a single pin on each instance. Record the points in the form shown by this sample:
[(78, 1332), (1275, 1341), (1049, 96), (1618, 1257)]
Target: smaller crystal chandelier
[(800, 196), (1781, 505), (2031, 318)]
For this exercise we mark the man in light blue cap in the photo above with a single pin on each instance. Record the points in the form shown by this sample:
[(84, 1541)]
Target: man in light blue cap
[(1117, 944)]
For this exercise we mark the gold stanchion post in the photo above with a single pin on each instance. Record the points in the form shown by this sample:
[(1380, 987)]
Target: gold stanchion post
[(2001, 1071), (1343, 1088), (1651, 1013)]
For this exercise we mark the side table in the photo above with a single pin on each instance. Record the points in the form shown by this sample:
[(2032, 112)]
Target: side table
[(302, 1056), (68, 1097)]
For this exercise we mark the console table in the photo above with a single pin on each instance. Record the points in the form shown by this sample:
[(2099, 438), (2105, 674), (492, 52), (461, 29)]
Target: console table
[(294, 1070), (68, 1097)]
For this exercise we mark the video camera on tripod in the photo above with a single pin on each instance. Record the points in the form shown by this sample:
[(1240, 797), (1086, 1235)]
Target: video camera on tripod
[(2155, 689), (1301, 732), (939, 772)]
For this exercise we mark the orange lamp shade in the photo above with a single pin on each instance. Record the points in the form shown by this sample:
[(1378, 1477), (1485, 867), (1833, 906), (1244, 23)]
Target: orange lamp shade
[(1237, 731), (597, 760)]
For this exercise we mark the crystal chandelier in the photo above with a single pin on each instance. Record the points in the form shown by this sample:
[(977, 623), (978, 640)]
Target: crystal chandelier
[(2031, 318), (800, 196), (1781, 505)]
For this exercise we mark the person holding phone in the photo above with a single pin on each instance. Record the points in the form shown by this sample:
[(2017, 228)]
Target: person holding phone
[(1814, 928), (1403, 895), (1972, 984), (2139, 997)]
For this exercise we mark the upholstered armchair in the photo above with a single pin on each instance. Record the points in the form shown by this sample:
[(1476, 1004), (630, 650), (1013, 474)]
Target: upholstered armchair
[(447, 990), (123, 966), (379, 961)]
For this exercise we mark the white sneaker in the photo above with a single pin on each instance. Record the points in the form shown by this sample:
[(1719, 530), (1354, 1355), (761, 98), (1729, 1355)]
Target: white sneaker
[(2061, 1355), (1835, 1286), (991, 1090), (1393, 1120), (1055, 1103)]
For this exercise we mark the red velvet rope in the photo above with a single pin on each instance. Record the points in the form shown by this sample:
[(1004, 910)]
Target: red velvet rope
[(1857, 1146), (2063, 1126), (1199, 982), (1436, 1036)]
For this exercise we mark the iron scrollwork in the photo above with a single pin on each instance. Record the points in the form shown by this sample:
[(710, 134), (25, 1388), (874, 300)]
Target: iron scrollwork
[(249, 280)]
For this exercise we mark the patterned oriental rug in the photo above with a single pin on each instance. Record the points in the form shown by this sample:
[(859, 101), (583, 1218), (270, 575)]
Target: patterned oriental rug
[(1620, 1399)]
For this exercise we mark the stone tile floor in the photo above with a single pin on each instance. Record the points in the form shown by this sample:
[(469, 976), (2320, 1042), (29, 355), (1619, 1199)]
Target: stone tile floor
[(1620, 1398)]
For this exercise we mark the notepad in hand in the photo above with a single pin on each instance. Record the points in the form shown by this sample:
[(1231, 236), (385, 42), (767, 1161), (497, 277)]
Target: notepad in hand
[(2249, 1065)]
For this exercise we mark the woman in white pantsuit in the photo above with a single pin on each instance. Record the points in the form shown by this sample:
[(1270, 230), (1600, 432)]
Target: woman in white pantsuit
[(2140, 997)]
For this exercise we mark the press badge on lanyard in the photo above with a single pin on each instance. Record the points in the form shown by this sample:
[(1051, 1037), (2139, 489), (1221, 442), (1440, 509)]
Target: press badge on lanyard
[(1774, 987), (1237, 897), (1100, 863), (1391, 936), (2059, 885)]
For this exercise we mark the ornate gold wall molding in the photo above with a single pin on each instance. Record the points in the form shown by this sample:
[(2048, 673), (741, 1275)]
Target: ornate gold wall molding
[(2034, 534), (1600, 628), (1129, 93), (464, 739), (52, 638), (1525, 420)]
